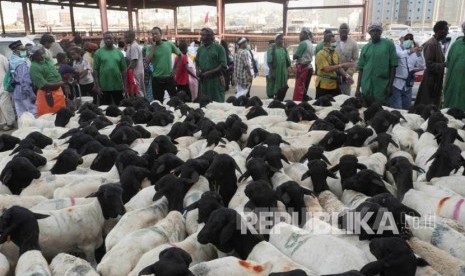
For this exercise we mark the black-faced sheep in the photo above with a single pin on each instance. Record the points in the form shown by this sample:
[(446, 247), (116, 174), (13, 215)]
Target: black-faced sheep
[(67, 161), (18, 174), (105, 160), (8, 142), (172, 262), (222, 176)]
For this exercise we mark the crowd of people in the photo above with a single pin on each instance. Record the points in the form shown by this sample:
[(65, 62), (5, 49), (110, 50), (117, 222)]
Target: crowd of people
[(160, 69)]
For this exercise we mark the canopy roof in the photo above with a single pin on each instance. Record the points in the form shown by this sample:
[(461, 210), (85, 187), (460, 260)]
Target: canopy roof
[(142, 4)]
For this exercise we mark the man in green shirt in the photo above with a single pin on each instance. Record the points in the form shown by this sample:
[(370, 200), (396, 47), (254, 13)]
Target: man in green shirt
[(47, 80), (454, 92), (109, 69), (377, 67), (210, 62), (163, 77), (279, 62)]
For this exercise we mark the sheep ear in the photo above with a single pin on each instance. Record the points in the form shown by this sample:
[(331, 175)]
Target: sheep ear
[(361, 166), (6, 176), (432, 157), (459, 138), (191, 207), (237, 167), (160, 169), (303, 158), (325, 159), (334, 169), (147, 270), (331, 174), (96, 194), (305, 176), (374, 140), (283, 157), (40, 216), (285, 142), (307, 191), (244, 176), (418, 169), (394, 143)]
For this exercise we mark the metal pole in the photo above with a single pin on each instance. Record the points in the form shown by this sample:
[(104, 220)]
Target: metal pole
[(219, 17), (285, 10), (131, 26), (365, 18), (137, 20), (175, 16), (191, 20), (27, 28), (103, 15), (32, 18), (71, 15), (1, 18)]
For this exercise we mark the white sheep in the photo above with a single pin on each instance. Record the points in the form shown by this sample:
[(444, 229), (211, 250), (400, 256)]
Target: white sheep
[(127, 252), (69, 265), (6, 201), (375, 162), (334, 155), (4, 265), (142, 199), (196, 191), (60, 203), (32, 262), (452, 182), (231, 266)]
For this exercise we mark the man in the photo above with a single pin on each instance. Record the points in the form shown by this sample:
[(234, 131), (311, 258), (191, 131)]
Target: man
[(321, 44), (454, 92), (109, 69), (23, 96), (210, 62), (267, 68), (431, 87), (410, 62), (243, 70), (47, 41), (161, 58), (50, 97), (7, 113), (304, 57), (348, 52), (377, 67), (279, 62), (121, 47), (327, 61), (136, 62), (254, 65)]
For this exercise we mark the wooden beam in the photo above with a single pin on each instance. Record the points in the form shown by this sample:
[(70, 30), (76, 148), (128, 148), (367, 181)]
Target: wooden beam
[(131, 25), (285, 10), (137, 20), (32, 18), (1, 18), (219, 18), (103, 15), (365, 18), (327, 7), (175, 16), (27, 28), (71, 15)]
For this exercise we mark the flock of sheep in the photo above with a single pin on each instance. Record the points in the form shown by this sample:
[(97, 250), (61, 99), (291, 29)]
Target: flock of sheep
[(170, 189)]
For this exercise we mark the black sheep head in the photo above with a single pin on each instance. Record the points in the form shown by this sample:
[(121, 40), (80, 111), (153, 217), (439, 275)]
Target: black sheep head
[(125, 135), (256, 137), (384, 140), (255, 111), (128, 157), (8, 142), (18, 174), (110, 199), (67, 161), (192, 169), (160, 145), (86, 116), (457, 113), (318, 172), (324, 101), (446, 159), (261, 195), (174, 189), (254, 101), (347, 167), (401, 169), (90, 147), (113, 111), (357, 135), (39, 139), (447, 135), (131, 181), (105, 160), (78, 140), (433, 120), (336, 122), (208, 202), (163, 165), (142, 116), (333, 139), (231, 99), (292, 195), (241, 101), (366, 182), (257, 152), (371, 111), (258, 169), (353, 102), (26, 144), (274, 156), (320, 124), (172, 261), (36, 159), (315, 152), (20, 225), (63, 116), (276, 104), (236, 131)]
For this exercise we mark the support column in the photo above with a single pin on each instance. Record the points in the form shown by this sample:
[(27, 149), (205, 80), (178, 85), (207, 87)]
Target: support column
[(219, 18), (131, 24), (32, 18), (103, 14), (285, 10), (223, 25), (71, 14), (1, 18), (27, 28), (137, 20), (365, 18), (175, 16)]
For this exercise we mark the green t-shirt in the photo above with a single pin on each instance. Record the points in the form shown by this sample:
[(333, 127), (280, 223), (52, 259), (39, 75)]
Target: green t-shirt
[(163, 59), (319, 47), (110, 64), (43, 72)]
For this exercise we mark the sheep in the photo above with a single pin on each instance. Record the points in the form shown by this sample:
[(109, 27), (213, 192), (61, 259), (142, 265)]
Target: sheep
[(136, 219), (174, 189), (318, 172), (437, 258), (446, 158), (367, 182), (222, 232), (61, 203), (221, 176), (4, 265), (142, 199), (66, 162), (131, 181), (335, 155), (172, 261), (402, 169), (7, 201), (375, 162), (453, 183), (199, 253), (385, 144), (128, 250), (196, 191), (18, 174), (433, 190), (65, 264), (231, 266), (334, 255), (80, 227), (357, 135), (8, 142)]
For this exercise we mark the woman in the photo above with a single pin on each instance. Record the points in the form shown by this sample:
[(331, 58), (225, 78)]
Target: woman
[(50, 97), (328, 69)]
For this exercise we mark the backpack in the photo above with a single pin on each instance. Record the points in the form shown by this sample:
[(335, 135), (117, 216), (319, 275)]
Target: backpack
[(8, 84)]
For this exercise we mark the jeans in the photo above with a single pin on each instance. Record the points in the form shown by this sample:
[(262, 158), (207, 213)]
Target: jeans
[(401, 98)]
